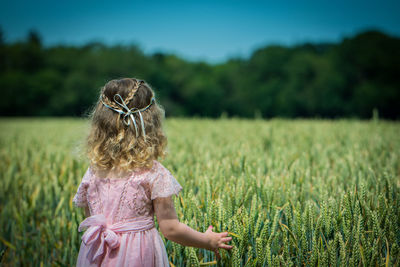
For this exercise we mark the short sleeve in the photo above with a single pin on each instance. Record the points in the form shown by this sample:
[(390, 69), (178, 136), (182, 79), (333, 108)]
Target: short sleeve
[(80, 198), (163, 184)]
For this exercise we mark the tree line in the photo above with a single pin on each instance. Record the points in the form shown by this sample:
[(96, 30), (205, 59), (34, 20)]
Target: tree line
[(330, 80)]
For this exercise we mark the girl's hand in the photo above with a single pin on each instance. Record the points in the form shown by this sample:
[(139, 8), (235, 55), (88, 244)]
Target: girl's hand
[(182, 234), (217, 240)]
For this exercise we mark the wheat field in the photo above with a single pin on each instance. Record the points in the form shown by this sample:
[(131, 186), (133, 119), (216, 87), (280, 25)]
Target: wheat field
[(290, 192)]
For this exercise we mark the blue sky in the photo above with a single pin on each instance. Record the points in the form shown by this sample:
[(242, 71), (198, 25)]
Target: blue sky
[(196, 30)]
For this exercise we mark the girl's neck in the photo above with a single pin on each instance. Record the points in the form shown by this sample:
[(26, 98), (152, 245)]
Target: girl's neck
[(116, 174), (112, 174)]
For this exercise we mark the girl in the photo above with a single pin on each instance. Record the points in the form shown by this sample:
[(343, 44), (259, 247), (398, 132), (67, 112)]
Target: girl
[(125, 185)]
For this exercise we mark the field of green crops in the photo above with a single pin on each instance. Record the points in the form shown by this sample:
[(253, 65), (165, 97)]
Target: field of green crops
[(291, 192)]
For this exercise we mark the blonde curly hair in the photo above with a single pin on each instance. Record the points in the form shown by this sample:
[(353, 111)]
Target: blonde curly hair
[(111, 144)]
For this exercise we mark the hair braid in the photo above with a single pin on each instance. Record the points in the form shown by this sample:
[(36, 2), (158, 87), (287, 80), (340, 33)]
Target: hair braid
[(133, 91), (130, 96), (108, 101)]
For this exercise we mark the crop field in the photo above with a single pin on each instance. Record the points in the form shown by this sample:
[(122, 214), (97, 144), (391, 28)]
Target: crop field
[(290, 192)]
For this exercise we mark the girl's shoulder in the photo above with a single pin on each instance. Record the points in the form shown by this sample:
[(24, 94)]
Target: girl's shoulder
[(162, 182), (159, 168)]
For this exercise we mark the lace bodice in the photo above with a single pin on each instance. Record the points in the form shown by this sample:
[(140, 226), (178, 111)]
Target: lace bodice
[(127, 198)]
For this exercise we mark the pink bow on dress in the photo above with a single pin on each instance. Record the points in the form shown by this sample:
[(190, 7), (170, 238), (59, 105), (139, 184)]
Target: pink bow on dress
[(100, 234)]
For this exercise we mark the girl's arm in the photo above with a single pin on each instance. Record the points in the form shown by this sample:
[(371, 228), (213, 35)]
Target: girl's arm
[(180, 233), (87, 212)]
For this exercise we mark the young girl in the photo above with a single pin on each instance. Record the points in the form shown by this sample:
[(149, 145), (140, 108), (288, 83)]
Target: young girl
[(125, 185)]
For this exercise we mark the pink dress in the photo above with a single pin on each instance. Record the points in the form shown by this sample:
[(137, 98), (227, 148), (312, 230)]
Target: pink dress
[(120, 230)]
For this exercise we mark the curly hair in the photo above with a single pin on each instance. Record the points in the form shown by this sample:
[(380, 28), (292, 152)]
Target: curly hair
[(113, 145)]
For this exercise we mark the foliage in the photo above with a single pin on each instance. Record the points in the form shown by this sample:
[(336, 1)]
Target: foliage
[(292, 193), (348, 79)]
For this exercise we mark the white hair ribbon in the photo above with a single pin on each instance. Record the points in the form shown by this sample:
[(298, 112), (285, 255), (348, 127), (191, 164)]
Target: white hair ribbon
[(129, 112)]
